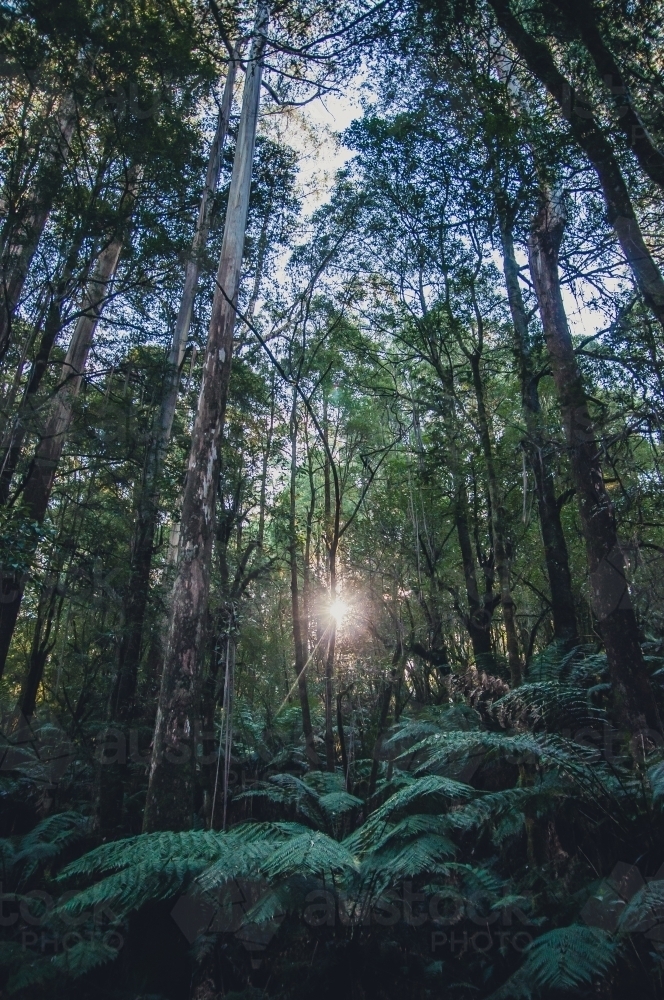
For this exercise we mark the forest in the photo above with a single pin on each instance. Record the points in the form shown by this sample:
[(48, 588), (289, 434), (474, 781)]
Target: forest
[(331, 456)]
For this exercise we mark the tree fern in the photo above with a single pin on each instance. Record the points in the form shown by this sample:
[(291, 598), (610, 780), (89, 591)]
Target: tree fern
[(644, 910), (312, 854), (546, 704), (563, 959)]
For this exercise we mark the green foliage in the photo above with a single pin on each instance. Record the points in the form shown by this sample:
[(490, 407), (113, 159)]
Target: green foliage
[(564, 959), (23, 856)]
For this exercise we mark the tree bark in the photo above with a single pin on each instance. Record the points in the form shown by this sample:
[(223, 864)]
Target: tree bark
[(633, 697), (498, 522), (480, 611), (299, 612), (170, 797), (27, 412), (581, 15), (22, 231), (553, 536), (147, 512), (36, 490), (342, 739), (386, 698), (590, 137), (329, 662), (42, 645)]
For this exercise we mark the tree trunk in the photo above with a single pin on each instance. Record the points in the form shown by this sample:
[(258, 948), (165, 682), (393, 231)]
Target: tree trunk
[(498, 524), (590, 137), (634, 701), (27, 413), (329, 663), (42, 644), (480, 612), (300, 616), (264, 471), (21, 235), (582, 16), (39, 480), (342, 740), (135, 603), (386, 698), (170, 797), (553, 536), (480, 609)]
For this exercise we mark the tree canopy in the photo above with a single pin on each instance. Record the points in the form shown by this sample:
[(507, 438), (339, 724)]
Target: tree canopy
[(331, 591)]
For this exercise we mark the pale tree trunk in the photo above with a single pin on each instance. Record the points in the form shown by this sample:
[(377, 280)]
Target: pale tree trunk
[(26, 416), (553, 536), (299, 610), (332, 528), (121, 708), (480, 608), (499, 527), (122, 698), (633, 697), (21, 236), (306, 569), (39, 480), (329, 660), (264, 471), (170, 797), (590, 137)]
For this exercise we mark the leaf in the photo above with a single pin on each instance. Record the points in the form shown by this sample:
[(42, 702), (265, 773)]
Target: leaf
[(644, 910), (340, 802), (564, 959), (310, 854)]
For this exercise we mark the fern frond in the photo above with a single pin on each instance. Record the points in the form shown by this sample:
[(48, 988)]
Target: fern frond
[(311, 853), (73, 962), (503, 812), (84, 956), (159, 847), (549, 704), (423, 855), (338, 803), (564, 959), (645, 909), (287, 790), (656, 778), (49, 838), (460, 752), (432, 792), (132, 887), (411, 826), (240, 860)]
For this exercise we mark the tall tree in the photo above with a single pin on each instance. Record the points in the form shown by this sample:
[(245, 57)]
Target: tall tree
[(23, 226), (612, 605), (170, 795), (590, 136), (36, 489), (553, 536)]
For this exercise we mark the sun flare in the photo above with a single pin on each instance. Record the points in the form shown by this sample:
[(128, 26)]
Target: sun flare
[(338, 610)]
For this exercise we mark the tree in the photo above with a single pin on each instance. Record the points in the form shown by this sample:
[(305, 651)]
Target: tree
[(179, 687)]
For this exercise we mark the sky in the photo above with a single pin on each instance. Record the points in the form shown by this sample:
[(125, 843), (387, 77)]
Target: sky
[(313, 131)]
